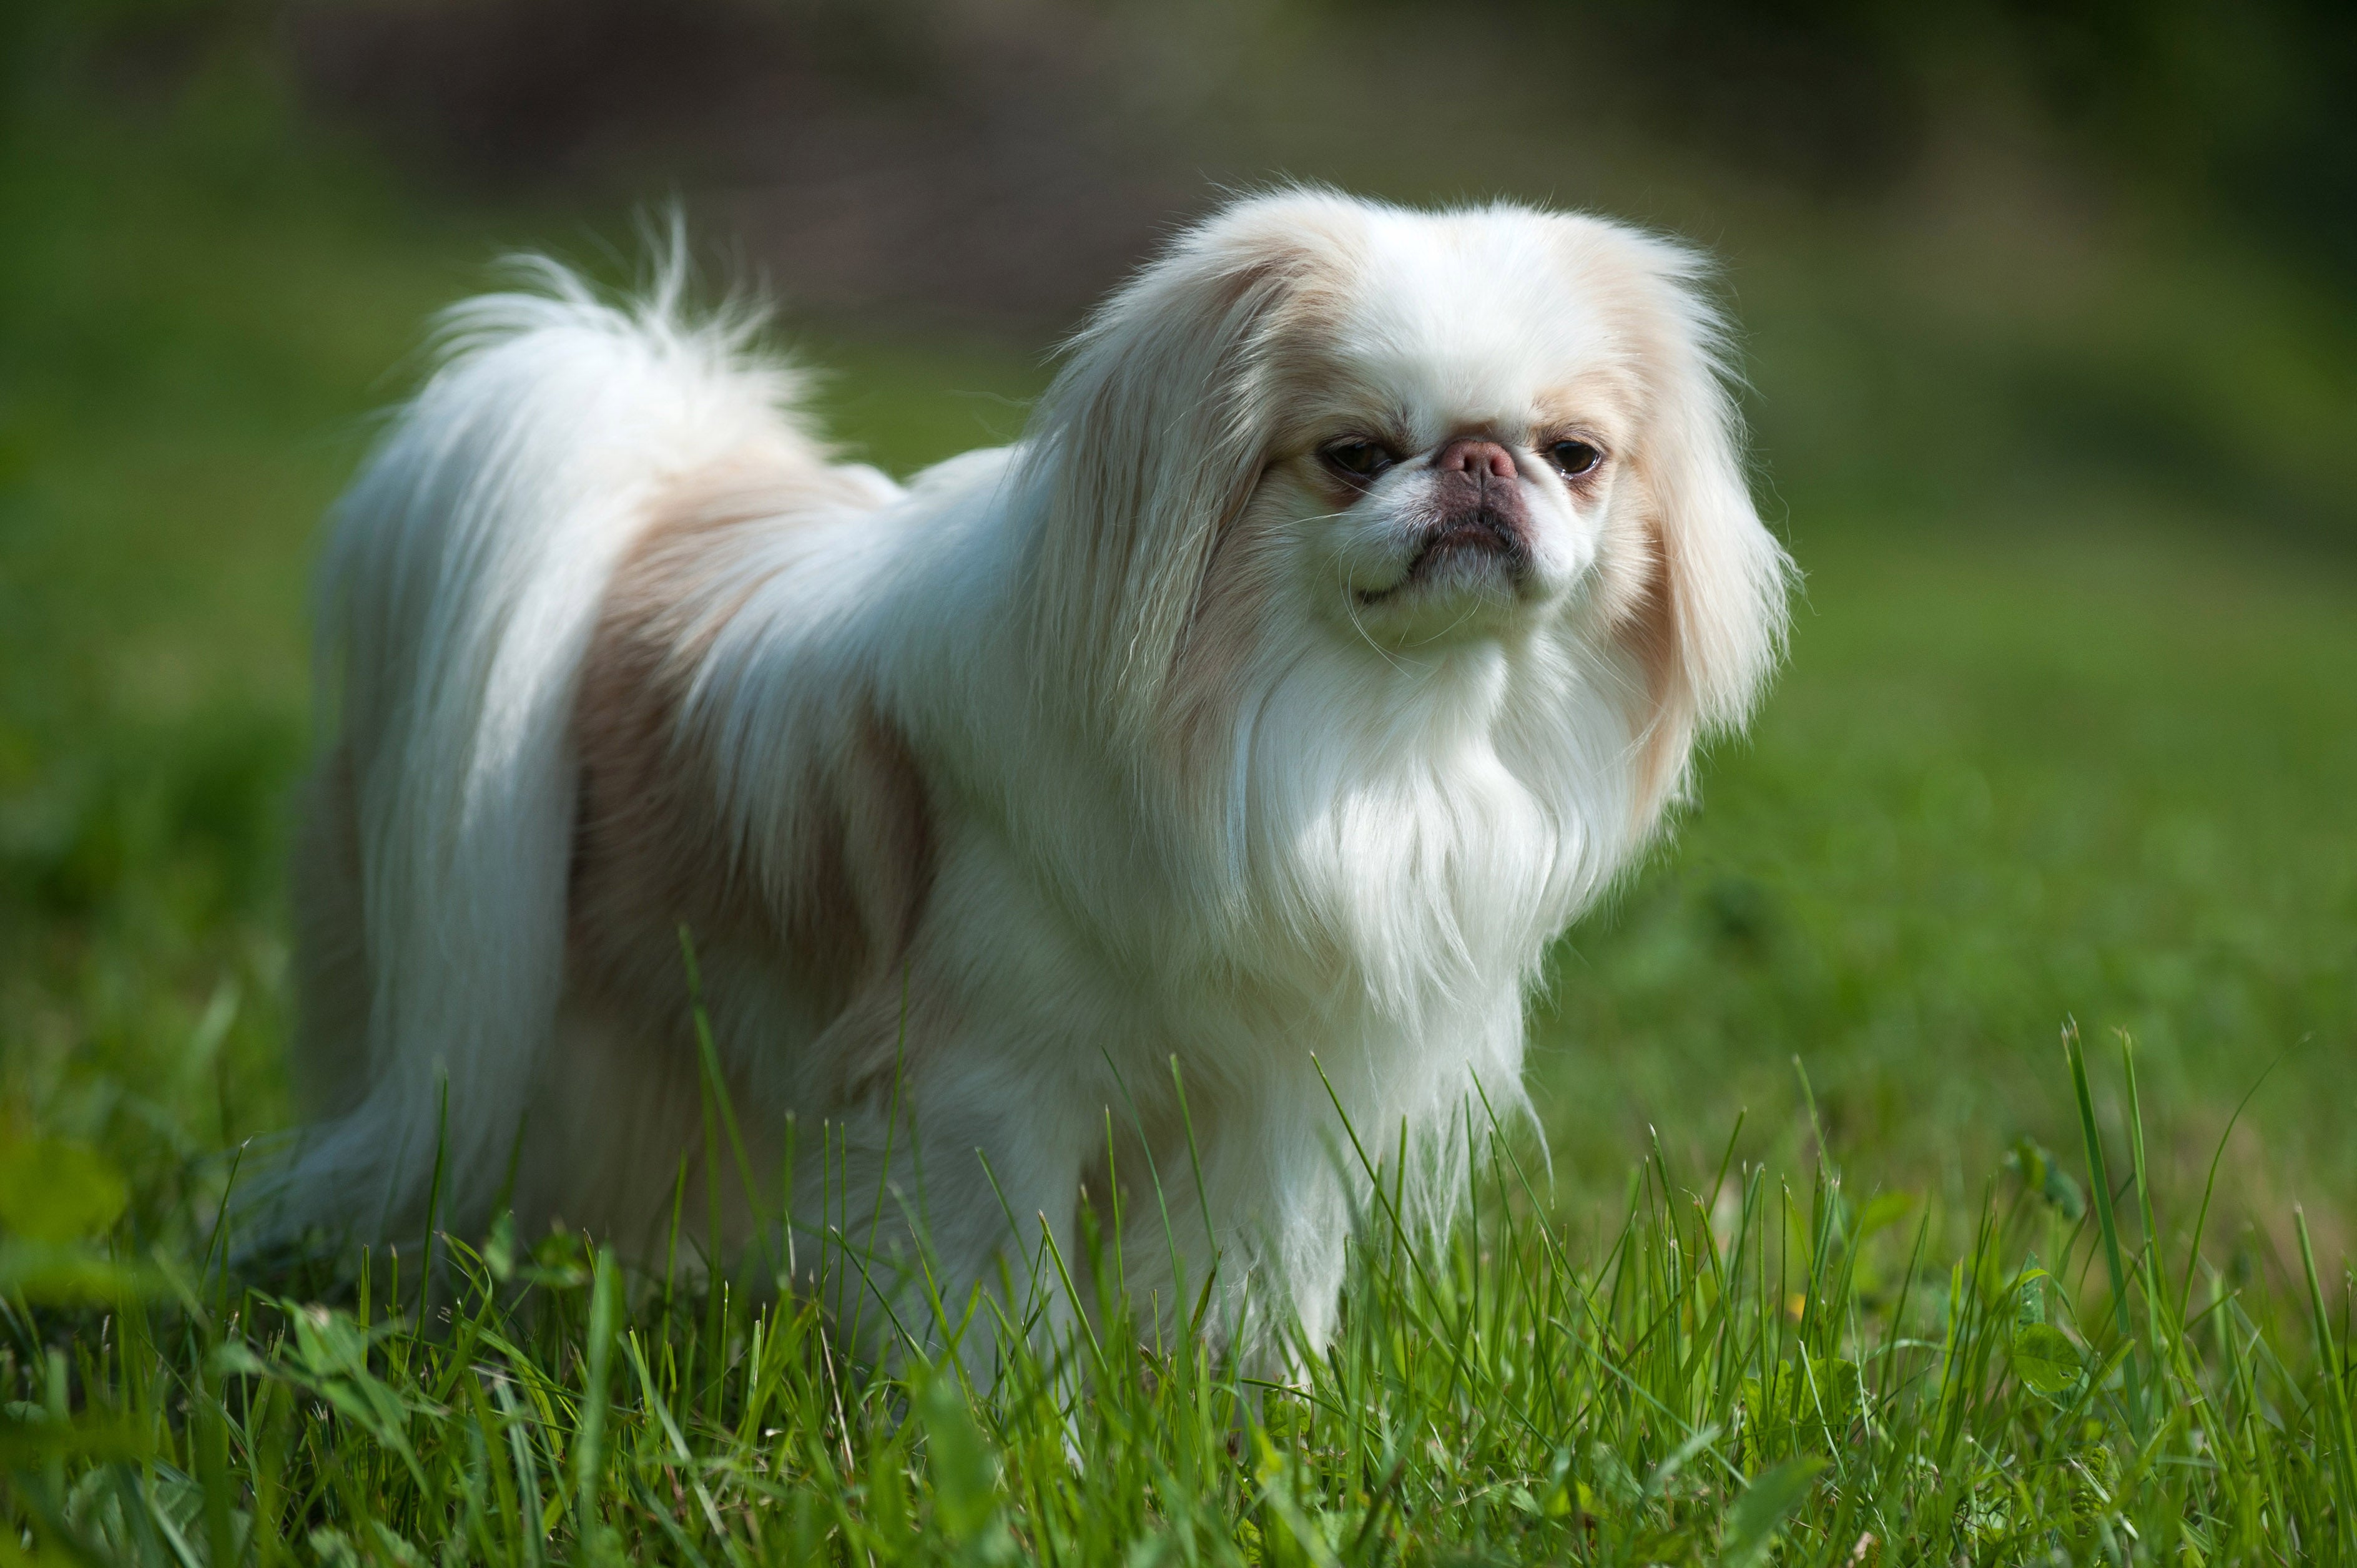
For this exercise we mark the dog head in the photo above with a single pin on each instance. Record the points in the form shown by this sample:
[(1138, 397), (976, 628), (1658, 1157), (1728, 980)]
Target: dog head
[(1388, 432)]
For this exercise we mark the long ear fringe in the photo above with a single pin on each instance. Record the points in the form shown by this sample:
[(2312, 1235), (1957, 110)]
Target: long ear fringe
[(1712, 626), (1147, 445)]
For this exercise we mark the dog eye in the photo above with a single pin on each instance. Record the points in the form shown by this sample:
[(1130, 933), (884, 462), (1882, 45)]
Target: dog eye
[(1573, 458), (1360, 460)]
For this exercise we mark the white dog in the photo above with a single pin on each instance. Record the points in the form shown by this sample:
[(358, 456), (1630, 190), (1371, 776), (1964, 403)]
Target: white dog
[(1066, 822)]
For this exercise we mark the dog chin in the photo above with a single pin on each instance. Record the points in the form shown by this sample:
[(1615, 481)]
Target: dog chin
[(1475, 579), (1451, 594)]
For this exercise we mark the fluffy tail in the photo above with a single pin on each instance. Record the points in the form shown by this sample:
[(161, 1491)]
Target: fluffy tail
[(456, 599)]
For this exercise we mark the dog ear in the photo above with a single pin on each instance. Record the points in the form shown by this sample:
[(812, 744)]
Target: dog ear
[(1150, 443), (1706, 623)]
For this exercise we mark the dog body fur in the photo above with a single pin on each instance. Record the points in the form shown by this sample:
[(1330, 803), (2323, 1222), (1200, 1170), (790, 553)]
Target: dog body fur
[(1159, 738)]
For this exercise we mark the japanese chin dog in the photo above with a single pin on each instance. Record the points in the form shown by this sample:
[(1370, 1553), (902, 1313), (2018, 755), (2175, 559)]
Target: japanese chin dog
[(1178, 801)]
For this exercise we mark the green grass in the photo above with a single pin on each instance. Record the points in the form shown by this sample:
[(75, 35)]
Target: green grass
[(2010, 778), (1716, 1368), (2076, 747)]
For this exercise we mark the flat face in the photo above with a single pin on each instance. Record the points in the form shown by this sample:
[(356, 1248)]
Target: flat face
[(1452, 426)]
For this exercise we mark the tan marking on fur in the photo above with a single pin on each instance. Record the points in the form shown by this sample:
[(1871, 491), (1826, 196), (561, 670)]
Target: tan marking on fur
[(1294, 378), (1648, 630), (1632, 597), (1648, 626), (651, 849), (1202, 377), (1642, 593), (647, 854), (1600, 403)]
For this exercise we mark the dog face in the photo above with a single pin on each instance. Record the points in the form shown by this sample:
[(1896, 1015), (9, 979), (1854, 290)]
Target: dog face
[(1446, 448), (1316, 418)]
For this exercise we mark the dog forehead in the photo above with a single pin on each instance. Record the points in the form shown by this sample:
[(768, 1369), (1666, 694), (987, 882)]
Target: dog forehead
[(1472, 316)]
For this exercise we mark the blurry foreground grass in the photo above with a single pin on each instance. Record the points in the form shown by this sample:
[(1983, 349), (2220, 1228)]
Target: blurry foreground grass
[(2070, 750)]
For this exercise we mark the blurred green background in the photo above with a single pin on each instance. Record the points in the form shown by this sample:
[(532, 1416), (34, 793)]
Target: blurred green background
[(2047, 326)]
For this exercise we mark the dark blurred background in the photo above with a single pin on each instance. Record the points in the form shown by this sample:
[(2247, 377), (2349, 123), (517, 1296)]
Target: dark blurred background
[(2117, 237), (2046, 320)]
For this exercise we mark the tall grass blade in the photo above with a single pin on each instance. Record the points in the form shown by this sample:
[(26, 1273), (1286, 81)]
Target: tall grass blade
[(2099, 1177)]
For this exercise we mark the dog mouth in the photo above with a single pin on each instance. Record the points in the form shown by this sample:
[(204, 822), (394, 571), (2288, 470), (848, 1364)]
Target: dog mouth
[(1481, 542)]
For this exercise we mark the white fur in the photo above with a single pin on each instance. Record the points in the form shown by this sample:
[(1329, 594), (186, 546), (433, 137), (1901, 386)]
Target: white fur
[(1208, 779), (456, 597)]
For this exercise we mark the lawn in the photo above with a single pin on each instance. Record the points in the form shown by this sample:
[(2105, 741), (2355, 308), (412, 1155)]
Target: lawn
[(1827, 1258)]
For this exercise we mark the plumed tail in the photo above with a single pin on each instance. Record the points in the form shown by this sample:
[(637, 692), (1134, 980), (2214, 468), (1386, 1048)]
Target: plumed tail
[(457, 597)]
